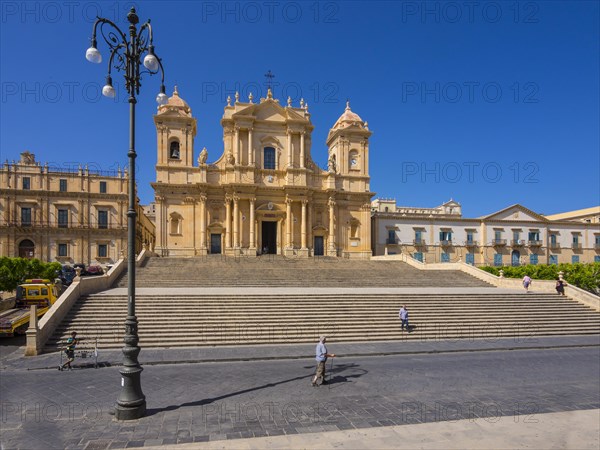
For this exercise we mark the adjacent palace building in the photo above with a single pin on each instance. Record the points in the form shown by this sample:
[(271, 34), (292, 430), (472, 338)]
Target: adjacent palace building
[(70, 216), (264, 193), (513, 236)]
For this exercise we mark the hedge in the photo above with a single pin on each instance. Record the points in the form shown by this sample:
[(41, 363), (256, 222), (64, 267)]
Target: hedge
[(584, 276)]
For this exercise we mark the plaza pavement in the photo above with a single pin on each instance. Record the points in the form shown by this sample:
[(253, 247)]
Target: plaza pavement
[(486, 393), (568, 430)]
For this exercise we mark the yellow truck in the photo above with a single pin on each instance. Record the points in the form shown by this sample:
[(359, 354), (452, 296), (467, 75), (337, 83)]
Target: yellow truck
[(40, 292)]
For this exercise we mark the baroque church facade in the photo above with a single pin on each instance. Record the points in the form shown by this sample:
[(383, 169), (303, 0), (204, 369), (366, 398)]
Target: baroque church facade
[(264, 194)]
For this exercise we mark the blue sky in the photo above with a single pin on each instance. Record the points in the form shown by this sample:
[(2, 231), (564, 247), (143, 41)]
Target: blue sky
[(488, 103)]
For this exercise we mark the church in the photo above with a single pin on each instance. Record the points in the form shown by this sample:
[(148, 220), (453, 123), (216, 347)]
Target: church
[(264, 194)]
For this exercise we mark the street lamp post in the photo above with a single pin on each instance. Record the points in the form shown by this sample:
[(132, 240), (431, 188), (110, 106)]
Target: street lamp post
[(125, 55)]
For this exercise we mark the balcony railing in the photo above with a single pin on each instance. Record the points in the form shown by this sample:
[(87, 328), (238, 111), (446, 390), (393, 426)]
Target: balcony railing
[(535, 243), (389, 241), (498, 242), (597, 245), (517, 242), (446, 243), (576, 246), (419, 242), (554, 245), (470, 243), (55, 224)]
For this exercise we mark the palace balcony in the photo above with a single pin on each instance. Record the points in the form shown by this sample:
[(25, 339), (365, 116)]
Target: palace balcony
[(498, 242), (554, 245), (419, 243), (446, 243), (394, 241), (471, 243), (51, 224), (517, 243), (576, 246), (597, 245), (535, 243)]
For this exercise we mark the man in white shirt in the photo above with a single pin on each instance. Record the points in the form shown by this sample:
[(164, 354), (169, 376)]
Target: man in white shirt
[(321, 357)]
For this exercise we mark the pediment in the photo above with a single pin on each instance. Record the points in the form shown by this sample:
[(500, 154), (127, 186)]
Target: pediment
[(517, 213), (269, 111)]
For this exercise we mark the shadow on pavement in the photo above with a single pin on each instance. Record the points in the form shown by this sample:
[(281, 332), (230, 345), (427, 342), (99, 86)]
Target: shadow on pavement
[(207, 401)]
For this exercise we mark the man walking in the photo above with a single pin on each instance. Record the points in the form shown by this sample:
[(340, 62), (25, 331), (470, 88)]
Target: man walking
[(403, 314), (70, 351), (321, 357)]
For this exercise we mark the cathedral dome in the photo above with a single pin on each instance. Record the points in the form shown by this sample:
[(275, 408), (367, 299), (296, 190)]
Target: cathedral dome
[(348, 118), (176, 103)]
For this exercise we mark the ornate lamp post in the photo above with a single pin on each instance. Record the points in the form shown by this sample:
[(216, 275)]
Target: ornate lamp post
[(126, 55)]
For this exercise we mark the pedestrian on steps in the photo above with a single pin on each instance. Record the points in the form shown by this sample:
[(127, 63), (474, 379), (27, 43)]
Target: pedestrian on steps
[(321, 357), (403, 315), (560, 286), (526, 282)]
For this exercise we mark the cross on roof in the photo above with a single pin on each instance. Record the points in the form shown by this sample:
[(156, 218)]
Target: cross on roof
[(269, 76)]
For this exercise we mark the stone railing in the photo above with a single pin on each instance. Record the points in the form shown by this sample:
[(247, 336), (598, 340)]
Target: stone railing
[(38, 335), (548, 286)]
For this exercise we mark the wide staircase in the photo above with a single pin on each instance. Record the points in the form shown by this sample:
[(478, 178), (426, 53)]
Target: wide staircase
[(271, 271), (208, 320)]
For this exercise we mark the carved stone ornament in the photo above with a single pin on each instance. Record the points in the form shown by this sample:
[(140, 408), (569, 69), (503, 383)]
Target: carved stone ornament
[(203, 156)]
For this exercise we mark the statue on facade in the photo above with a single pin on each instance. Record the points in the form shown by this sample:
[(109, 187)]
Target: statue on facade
[(27, 158), (230, 159), (203, 156), (331, 164)]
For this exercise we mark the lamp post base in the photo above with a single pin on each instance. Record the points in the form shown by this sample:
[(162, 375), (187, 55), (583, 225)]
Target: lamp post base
[(130, 413)]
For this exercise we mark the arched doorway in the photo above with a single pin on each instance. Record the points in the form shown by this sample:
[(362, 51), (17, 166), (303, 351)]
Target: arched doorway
[(515, 257), (26, 249)]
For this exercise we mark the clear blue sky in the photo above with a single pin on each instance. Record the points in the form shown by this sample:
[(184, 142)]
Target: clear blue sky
[(488, 103)]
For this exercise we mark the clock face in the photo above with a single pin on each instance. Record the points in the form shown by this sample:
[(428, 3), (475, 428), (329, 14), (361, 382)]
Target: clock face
[(353, 161)]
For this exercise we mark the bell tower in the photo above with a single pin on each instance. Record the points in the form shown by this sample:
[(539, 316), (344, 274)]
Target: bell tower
[(348, 144), (175, 129)]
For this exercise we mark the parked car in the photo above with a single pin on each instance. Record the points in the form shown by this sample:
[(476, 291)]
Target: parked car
[(94, 270), (66, 275)]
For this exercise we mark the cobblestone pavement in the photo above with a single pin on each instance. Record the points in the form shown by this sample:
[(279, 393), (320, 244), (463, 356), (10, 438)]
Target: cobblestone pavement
[(231, 400)]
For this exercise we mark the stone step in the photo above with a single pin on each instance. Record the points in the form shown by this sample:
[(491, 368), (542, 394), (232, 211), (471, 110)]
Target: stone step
[(176, 343)]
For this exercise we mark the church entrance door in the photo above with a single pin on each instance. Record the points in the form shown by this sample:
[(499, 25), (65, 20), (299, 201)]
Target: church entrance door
[(319, 247), (269, 238), (215, 244), (26, 249)]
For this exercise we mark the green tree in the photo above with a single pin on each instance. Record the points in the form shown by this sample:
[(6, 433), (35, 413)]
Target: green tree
[(14, 271)]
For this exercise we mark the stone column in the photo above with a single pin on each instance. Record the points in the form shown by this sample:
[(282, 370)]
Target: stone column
[(288, 221), (289, 148), (331, 239), (250, 149), (236, 222), (252, 224), (236, 145), (302, 149), (309, 219), (203, 221), (303, 231), (227, 222)]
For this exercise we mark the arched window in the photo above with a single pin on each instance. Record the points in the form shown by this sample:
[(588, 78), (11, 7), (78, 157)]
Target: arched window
[(174, 150), (269, 158), (353, 160)]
